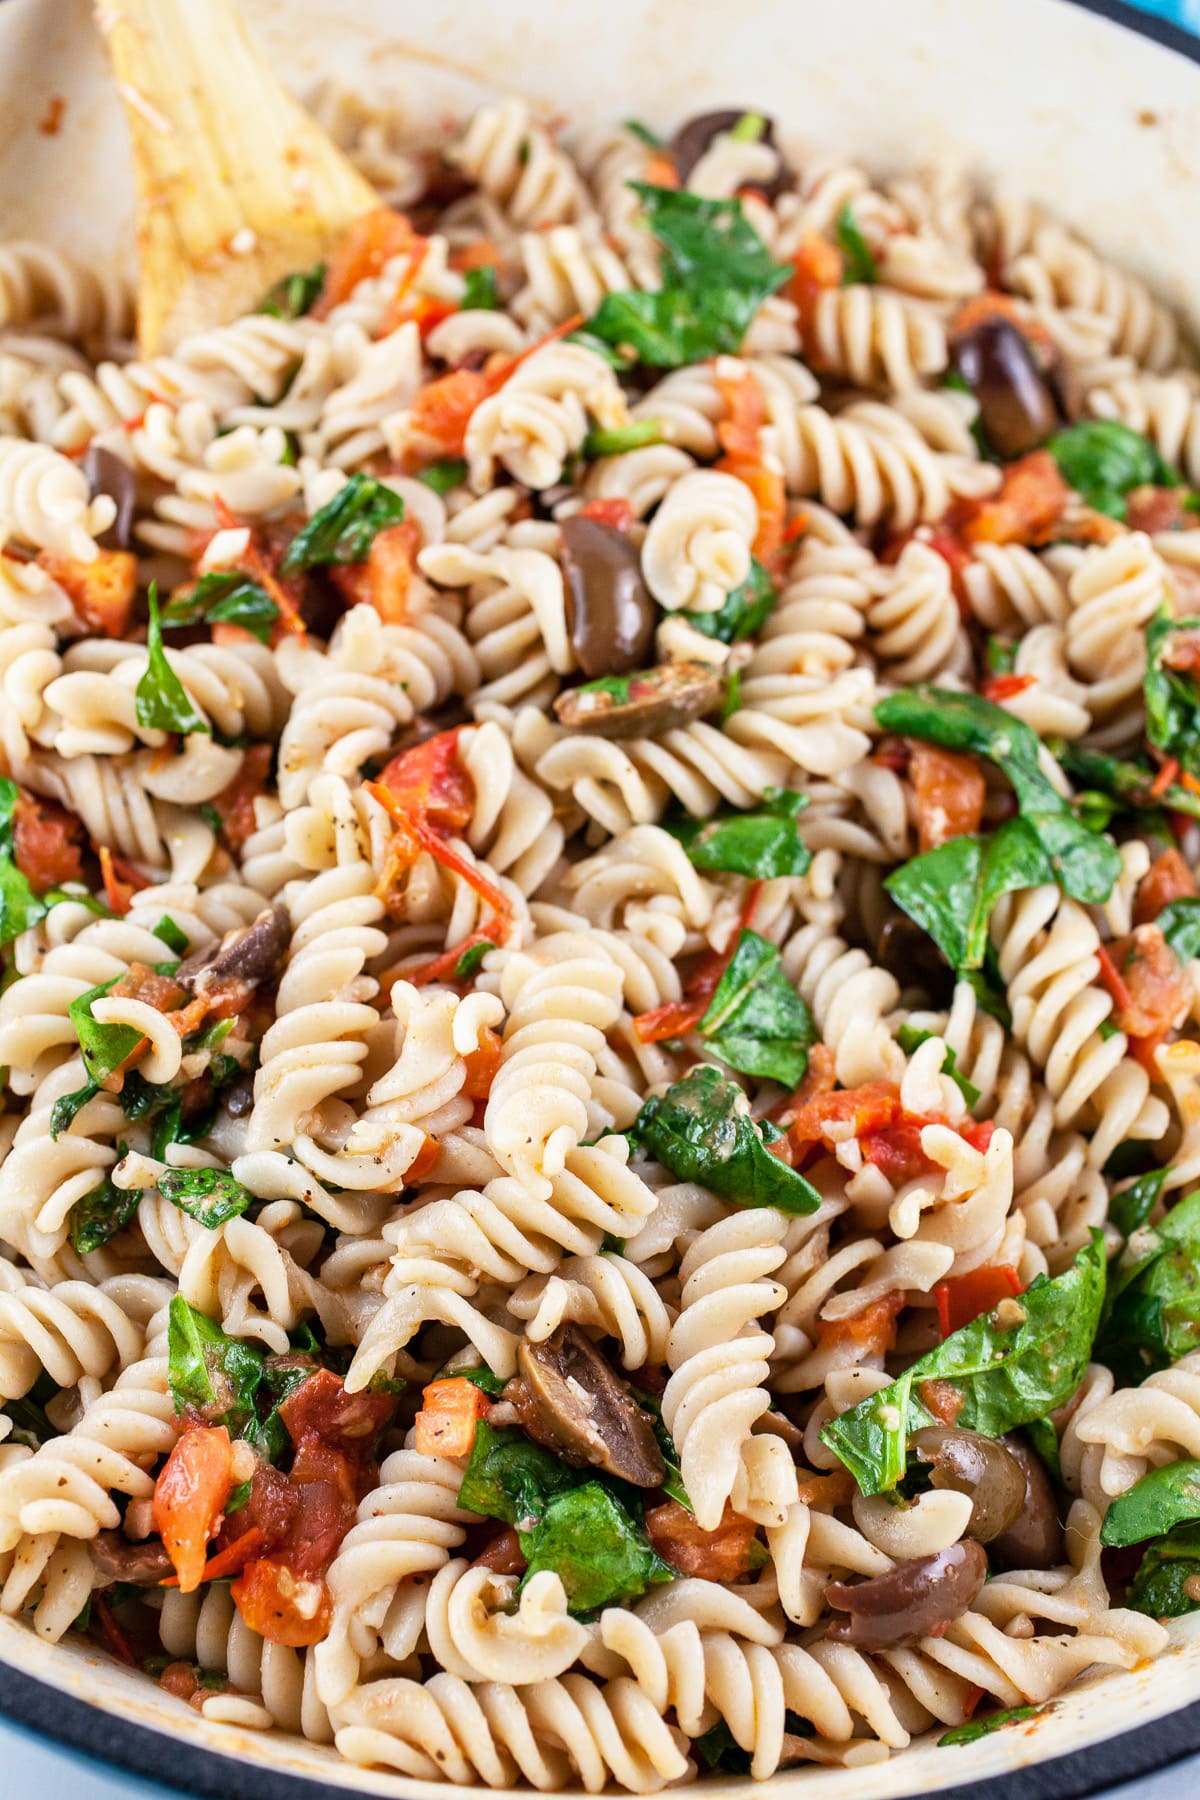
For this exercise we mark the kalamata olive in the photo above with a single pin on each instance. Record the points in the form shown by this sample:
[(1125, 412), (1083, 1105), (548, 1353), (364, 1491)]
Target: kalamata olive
[(116, 1559), (1035, 1541), (568, 1397), (909, 954), (911, 1600), (982, 1467), (1017, 409), (244, 958), (642, 704), (238, 1098), (107, 474), (609, 607), (695, 136)]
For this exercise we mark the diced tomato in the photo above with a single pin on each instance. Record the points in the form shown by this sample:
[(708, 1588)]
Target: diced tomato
[(739, 433), (384, 579), (481, 1064), (227, 636), (398, 309), (949, 791), (851, 1112), (617, 513), (1143, 975), (234, 805), (442, 410), (140, 982), (229, 1560), (189, 1499), (370, 242), (977, 1133), (999, 688), (941, 1398), (118, 894), (991, 305), (967, 1296), (820, 1077), (897, 1150), (102, 591), (450, 1411), (260, 561), (480, 253), (720, 1555), (283, 1606), (838, 1488), (1182, 652), (321, 1409), (660, 170), (971, 1699), (1027, 508), (429, 780), (503, 1554), (179, 1679), (819, 266), (874, 1327), (741, 438), (678, 1017), (1158, 509), (1168, 775), (48, 842), (1167, 879), (423, 1163)]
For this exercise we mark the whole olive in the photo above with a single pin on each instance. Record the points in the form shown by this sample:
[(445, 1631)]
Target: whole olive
[(1017, 409), (980, 1467), (1035, 1540), (695, 136), (610, 610)]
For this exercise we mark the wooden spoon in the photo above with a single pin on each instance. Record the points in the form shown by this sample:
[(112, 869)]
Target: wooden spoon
[(236, 186)]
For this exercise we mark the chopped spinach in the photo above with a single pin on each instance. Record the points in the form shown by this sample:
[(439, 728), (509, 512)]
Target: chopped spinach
[(597, 1547), (701, 1130), (511, 1478), (224, 596), (1126, 785), (860, 265), (101, 1213), (172, 935), (64, 1110), (974, 1729), (479, 290), (719, 1749), (995, 1375), (1154, 1505), (761, 844), (911, 1037), (161, 701), (294, 295), (104, 1047), (447, 473), (344, 529), (615, 442), (1104, 461), (1179, 922), (20, 907), (1152, 1312), (744, 612), (1131, 1207), (1167, 1584), (469, 962), (210, 1196), (1171, 695), (756, 1021), (217, 1374)]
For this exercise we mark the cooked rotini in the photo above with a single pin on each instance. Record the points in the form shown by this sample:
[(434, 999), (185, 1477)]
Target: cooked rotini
[(600, 963)]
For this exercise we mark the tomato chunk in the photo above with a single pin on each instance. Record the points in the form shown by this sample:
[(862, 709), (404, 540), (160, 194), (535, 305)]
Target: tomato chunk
[(818, 267), (874, 1327), (429, 780), (189, 1499), (1026, 509), (617, 513), (482, 1064), (719, 1555), (1168, 878), (850, 1112), (450, 1411), (48, 842), (283, 1606), (949, 791), (1158, 509), (1150, 988), (384, 580), (967, 1296), (234, 805), (369, 243), (442, 410), (102, 591)]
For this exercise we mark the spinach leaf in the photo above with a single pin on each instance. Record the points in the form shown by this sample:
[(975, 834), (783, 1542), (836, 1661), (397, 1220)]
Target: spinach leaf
[(104, 1047), (1104, 460), (1131, 1207), (997, 1376), (756, 1021), (447, 473), (209, 1196), (224, 596), (1126, 783), (860, 265), (479, 290), (716, 274), (102, 1213), (595, 1545), (481, 1377), (911, 1037), (974, 1729), (1154, 1505), (511, 1478), (294, 295), (672, 1481), (216, 1374), (1043, 1440), (719, 1749), (64, 1110), (172, 935), (1171, 695), (701, 1130), (1152, 1314), (634, 436), (1179, 922), (344, 529), (1167, 1584), (161, 701), (471, 959), (269, 1435), (759, 844), (950, 891), (745, 610), (20, 907)]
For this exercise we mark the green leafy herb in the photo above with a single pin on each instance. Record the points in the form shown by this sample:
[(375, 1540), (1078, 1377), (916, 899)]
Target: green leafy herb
[(911, 1037), (672, 1481), (101, 1214), (1104, 461), (479, 290), (1044, 1440), (950, 891), (860, 265), (1127, 784), (480, 1377), (224, 596), (731, 695), (447, 473), (744, 613), (511, 1478), (1000, 1375), (1172, 697), (643, 133), (104, 1047), (469, 962), (759, 844), (719, 1749), (1152, 1313), (634, 436), (974, 1729), (161, 701), (1131, 1207), (269, 1435), (1154, 1505), (344, 529), (609, 353), (716, 274), (20, 907), (1179, 922), (216, 1374), (595, 1545), (171, 934), (701, 1130), (1167, 1584), (294, 295), (756, 1021), (210, 1196), (64, 1110), (1000, 655)]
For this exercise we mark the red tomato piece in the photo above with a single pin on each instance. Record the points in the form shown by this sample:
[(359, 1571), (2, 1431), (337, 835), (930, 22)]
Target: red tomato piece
[(101, 591), (949, 791), (371, 241), (450, 1411), (874, 1327), (48, 842), (1167, 879), (189, 1499), (1150, 989), (234, 805), (282, 1606), (617, 513), (720, 1555), (967, 1296), (1026, 509)]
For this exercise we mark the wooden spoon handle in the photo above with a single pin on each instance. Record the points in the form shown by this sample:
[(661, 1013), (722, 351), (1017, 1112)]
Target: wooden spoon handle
[(236, 184)]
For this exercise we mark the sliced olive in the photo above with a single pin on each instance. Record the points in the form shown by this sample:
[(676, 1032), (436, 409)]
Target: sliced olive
[(245, 957), (609, 607), (116, 1559), (107, 474), (643, 704), (695, 136), (1017, 409), (1035, 1540), (569, 1398), (911, 1600), (982, 1467)]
